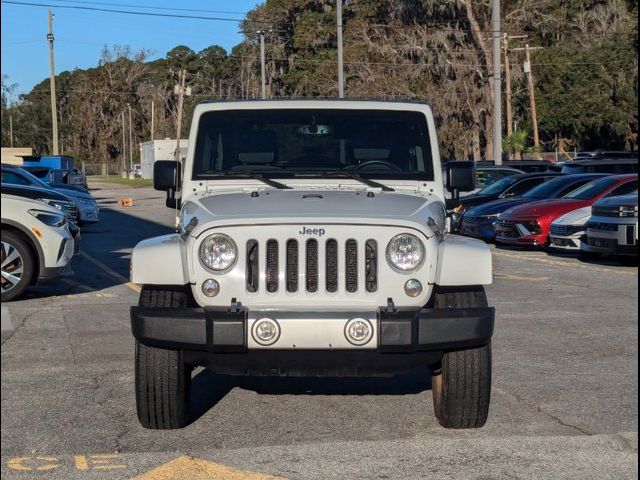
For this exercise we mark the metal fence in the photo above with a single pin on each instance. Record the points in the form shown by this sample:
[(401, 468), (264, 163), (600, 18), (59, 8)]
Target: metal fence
[(100, 169)]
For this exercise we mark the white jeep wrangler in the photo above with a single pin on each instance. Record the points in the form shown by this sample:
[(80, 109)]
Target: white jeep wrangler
[(311, 242)]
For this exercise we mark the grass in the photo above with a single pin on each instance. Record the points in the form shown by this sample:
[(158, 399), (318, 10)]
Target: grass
[(134, 182)]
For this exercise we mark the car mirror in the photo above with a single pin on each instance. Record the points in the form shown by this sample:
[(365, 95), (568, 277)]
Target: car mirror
[(461, 176), (166, 175)]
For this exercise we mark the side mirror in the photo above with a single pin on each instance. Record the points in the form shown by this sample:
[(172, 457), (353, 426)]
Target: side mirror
[(166, 175), (461, 177)]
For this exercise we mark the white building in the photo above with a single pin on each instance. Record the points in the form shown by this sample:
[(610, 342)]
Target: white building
[(159, 150)]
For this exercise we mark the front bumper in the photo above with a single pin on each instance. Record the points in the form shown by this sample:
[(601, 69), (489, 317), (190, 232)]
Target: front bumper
[(515, 232), (481, 228), (396, 330)]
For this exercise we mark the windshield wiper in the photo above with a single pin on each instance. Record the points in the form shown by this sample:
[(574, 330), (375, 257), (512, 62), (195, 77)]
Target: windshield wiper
[(261, 178), (355, 176)]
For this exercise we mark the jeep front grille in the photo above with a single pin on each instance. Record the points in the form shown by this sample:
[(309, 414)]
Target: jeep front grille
[(311, 265)]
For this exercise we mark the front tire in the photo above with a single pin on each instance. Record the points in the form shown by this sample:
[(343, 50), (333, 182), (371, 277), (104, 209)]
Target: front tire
[(162, 378), (17, 265), (461, 384)]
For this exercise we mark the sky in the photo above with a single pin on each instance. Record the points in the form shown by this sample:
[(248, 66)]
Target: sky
[(80, 35)]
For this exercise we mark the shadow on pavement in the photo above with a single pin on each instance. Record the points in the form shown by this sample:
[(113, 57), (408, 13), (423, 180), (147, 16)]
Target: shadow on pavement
[(209, 388)]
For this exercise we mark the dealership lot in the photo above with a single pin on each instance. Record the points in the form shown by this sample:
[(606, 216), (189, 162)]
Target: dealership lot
[(564, 398)]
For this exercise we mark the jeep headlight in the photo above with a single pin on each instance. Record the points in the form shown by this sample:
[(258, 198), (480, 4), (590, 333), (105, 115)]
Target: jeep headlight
[(405, 252), (218, 252)]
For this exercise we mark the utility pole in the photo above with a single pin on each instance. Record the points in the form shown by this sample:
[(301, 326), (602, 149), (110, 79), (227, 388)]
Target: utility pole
[(340, 52), (153, 114), (130, 139), (181, 92), (11, 131), (263, 67), (532, 97), (497, 83), (124, 155), (507, 79), (52, 81)]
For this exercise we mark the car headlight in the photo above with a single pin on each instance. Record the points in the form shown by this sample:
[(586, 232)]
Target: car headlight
[(48, 218), (405, 252), (54, 203), (218, 252)]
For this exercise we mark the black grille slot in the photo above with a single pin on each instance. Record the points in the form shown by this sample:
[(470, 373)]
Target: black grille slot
[(351, 266), (371, 265), (253, 271), (292, 266), (631, 235), (331, 266), (312, 266), (272, 266)]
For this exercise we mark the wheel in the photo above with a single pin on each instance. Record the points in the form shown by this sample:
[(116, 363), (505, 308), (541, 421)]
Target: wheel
[(163, 380), (17, 265), (461, 384)]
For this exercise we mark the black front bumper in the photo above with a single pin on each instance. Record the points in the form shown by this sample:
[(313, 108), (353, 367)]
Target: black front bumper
[(400, 330)]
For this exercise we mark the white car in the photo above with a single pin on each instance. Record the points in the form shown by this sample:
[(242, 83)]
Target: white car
[(311, 242), (569, 231), (36, 244), (613, 226)]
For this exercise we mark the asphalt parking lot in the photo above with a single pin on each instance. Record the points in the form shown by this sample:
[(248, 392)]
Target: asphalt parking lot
[(564, 398)]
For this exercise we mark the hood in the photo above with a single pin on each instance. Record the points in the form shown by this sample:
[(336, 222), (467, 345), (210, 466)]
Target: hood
[(575, 217), (619, 201), (33, 192), (494, 207), (279, 206), (543, 208), (73, 192), (472, 200)]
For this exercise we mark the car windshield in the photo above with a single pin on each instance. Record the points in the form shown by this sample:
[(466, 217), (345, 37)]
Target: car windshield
[(497, 187), (592, 189), (290, 142), (546, 189), (35, 180)]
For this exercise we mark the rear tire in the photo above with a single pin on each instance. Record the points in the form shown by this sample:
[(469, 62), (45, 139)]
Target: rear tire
[(17, 265), (163, 380), (461, 384)]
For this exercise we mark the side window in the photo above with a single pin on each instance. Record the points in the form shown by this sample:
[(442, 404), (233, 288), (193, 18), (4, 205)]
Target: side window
[(14, 179), (625, 189), (524, 186), (484, 178)]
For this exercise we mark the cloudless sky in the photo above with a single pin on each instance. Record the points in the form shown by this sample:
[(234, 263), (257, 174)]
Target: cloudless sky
[(80, 34)]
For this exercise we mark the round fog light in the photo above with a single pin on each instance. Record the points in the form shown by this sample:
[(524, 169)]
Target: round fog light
[(265, 331), (413, 287), (210, 288), (358, 331)]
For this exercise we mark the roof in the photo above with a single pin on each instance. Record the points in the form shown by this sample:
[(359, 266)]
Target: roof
[(601, 161)]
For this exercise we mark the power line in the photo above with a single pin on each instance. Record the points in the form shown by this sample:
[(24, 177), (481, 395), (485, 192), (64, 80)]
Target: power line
[(131, 12), (148, 7)]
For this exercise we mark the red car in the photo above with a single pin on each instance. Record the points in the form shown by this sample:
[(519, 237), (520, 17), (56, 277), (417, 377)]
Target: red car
[(529, 224)]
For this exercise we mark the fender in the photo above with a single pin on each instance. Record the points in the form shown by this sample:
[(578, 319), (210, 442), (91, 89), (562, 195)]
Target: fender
[(34, 243), (160, 261), (464, 261)]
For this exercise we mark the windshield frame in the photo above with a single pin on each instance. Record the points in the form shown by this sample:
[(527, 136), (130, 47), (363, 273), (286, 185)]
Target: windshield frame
[(508, 181), (424, 134)]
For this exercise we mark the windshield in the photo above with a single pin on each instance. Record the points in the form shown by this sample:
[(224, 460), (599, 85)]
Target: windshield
[(35, 180), (548, 189), (498, 187), (592, 189), (289, 142)]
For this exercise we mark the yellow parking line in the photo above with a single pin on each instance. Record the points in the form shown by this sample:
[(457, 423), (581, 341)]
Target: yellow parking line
[(125, 281), (531, 258)]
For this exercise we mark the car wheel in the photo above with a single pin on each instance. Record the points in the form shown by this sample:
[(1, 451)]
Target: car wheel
[(461, 383), (17, 265), (163, 380)]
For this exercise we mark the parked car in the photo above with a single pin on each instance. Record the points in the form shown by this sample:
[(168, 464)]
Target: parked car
[(512, 186), (600, 154), (529, 224), (569, 231), (613, 226), (88, 211), (478, 221), (36, 244), (605, 165), (527, 166), (55, 176)]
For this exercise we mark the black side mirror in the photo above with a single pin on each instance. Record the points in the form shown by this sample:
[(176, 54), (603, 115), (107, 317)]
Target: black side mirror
[(461, 177), (166, 175)]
